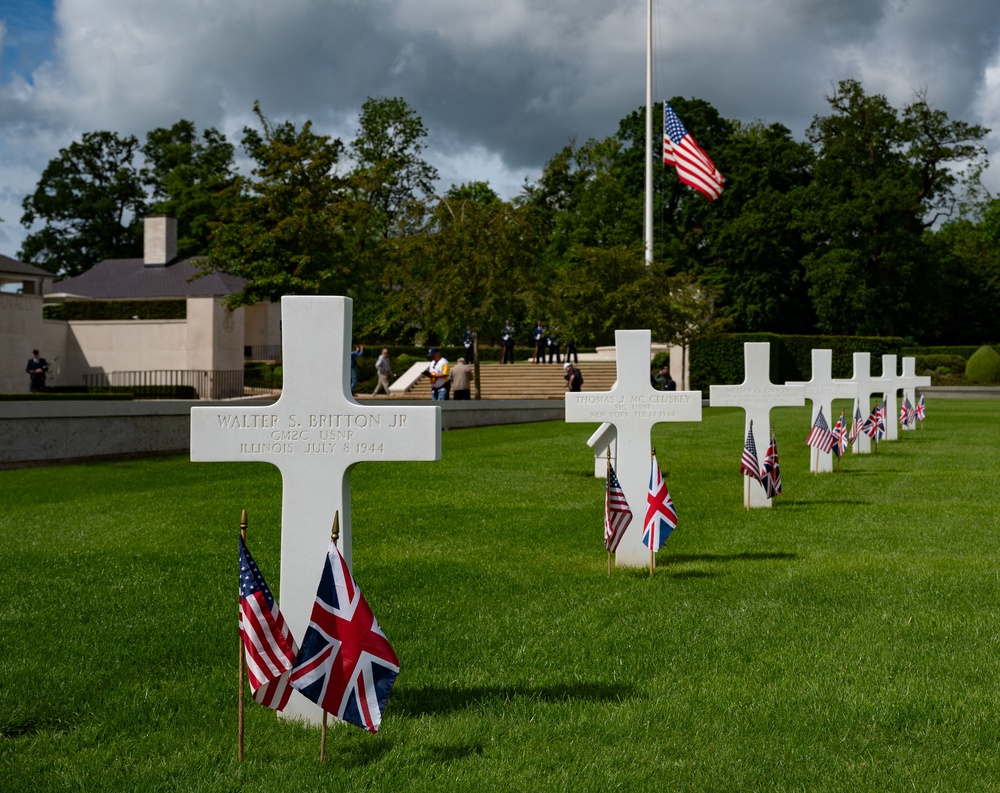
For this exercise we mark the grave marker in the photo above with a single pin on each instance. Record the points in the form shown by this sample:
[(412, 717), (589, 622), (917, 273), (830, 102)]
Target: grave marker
[(632, 407), (315, 433), (821, 390), (909, 381), (867, 385), (756, 395), (891, 413)]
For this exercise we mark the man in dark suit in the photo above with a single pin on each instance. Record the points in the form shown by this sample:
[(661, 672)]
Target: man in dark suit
[(36, 369)]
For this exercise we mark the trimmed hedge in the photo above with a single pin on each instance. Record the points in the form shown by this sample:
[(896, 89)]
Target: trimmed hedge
[(719, 360), (984, 366)]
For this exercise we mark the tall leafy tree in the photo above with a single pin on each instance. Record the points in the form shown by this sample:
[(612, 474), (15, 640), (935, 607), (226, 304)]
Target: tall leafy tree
[(882, 178), (91, 201), (186, 174), (287, 227)]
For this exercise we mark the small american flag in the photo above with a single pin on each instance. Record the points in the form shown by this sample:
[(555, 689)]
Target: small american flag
[(858, 426), (907, 415), (346, 665), (771, 473), (749, 464), (694, 168), (270, 648), (661, 518), (820, 436), (617, 514)]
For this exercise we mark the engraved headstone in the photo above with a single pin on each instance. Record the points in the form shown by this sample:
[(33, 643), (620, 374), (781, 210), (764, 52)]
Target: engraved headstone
[(910, 381), (867, 386), (315, 433), (756, 395), (632, 407), (821, 390)]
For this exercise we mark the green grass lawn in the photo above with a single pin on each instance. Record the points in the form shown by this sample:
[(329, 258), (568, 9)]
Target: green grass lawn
[(845, 640)]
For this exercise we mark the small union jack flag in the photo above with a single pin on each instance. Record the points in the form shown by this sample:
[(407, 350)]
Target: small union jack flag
[(661, 518), (820, 436), (346, 665), (840, 436), (749, 464), (270, 648), (617, 514), (921, 409), (771, 474)]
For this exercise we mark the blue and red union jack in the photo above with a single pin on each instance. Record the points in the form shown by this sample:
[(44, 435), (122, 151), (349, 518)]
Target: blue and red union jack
[(346, 664), (921, 409), (661, 518), (770, 476)]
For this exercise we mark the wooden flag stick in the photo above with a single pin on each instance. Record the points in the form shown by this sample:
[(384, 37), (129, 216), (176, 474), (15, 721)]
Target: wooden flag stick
[(239, 710)]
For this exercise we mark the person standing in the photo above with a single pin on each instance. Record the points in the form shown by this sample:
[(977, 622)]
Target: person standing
[(355, 354), (383, 368), (573, 377), (552, 343), (37, 368), (539, 337), (468, 341), (571, 352), (507, 341), (439, 375), (461, 379)]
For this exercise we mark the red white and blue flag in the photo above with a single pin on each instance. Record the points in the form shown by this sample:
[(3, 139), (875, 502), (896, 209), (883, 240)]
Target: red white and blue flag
[(882, 418), (858, 426), (694, 168), (921, 409), (661, 518), (820, 436), (268, 643), (346, 665), (907, 415), (617, 514), (771, 474), (749, 464), (839, 436)]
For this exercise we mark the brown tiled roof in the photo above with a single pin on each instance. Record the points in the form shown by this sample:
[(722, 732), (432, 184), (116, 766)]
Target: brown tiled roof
[(130, 279), (14, 267)]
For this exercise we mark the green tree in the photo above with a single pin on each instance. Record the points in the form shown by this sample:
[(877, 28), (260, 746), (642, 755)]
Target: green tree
[(881, 179), (91, 201), (287, 229), (186, 174)]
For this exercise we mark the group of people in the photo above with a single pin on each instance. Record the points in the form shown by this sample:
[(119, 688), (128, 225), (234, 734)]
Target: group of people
[(546, 345), (444, 378)]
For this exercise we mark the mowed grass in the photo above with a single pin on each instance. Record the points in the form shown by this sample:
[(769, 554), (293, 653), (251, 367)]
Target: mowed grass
[(846, 639)]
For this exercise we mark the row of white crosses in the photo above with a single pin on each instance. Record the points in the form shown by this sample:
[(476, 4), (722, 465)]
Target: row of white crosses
[(629, 410)]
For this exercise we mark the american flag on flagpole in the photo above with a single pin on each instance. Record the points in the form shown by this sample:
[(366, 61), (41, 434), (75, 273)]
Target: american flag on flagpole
[(617, 514), (820, 436), (694, 168), (346, 665), (771, 473), (749, 464), (661, 518), (270, 648), (840, 436)]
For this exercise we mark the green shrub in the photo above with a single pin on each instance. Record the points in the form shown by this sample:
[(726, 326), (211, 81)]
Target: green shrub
[(660, 360), (935, 363), (984, 366)]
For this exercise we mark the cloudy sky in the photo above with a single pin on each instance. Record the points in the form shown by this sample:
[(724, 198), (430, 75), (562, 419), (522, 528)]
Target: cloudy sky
[(500, 85)]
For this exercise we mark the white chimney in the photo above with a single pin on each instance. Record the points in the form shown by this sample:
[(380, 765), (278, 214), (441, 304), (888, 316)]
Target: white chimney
[(159, 241)]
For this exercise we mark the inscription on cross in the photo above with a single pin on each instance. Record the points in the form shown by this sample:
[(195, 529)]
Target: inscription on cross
[(821, 390), (632, 407), (756, 395), (867, 385), (315, 433)]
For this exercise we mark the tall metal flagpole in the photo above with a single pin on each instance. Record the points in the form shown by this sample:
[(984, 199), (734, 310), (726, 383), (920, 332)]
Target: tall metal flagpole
[(649, 133)]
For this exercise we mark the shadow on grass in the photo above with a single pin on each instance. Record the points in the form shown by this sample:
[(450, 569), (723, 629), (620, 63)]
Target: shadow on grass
[(436, 700), (803, 503), (746, 556)]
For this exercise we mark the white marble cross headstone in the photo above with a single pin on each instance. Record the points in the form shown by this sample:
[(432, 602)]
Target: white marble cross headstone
[(756, 395), (821, 390), (910, 381), (867, 385), (632, 407), (315, 433), (891, 413)]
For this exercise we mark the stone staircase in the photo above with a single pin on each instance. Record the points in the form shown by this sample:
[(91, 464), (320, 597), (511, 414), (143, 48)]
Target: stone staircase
[(525, 380)]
